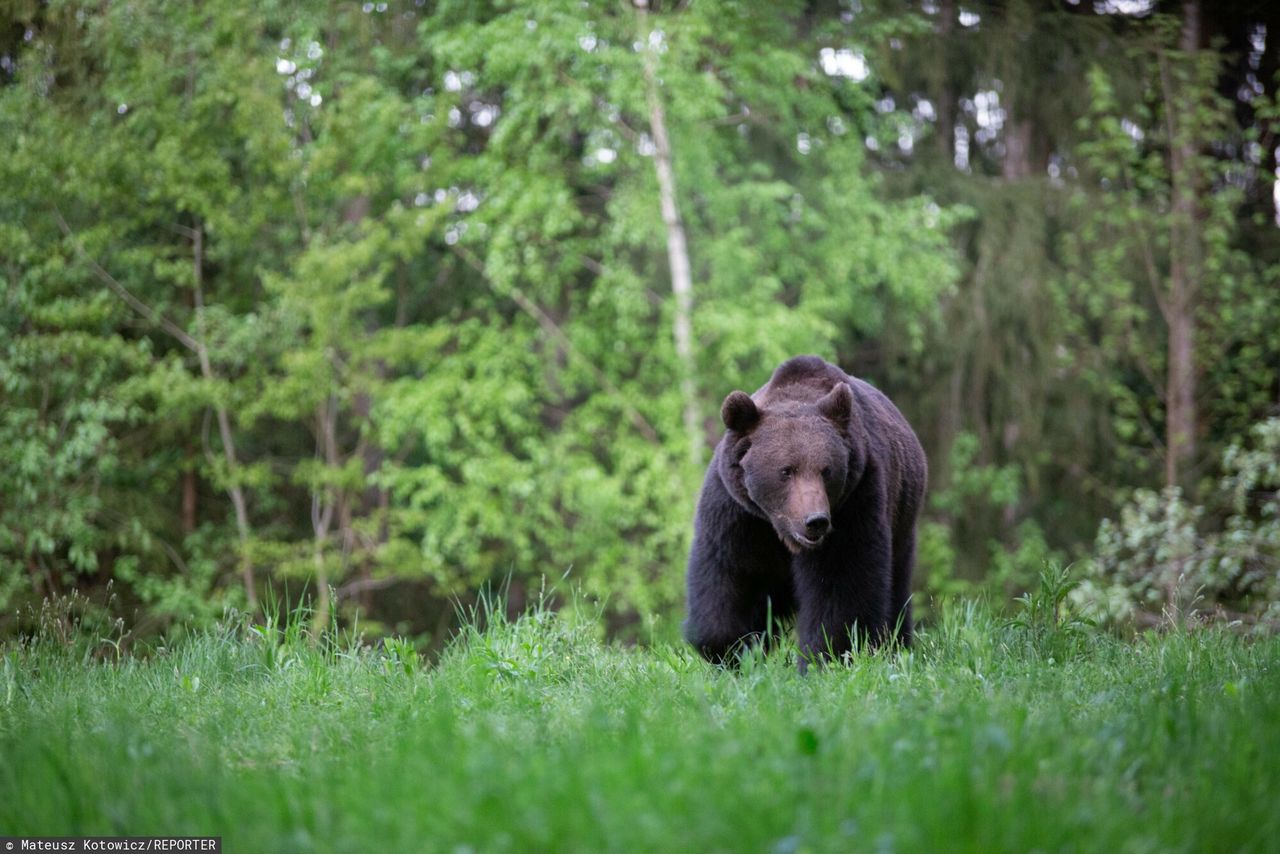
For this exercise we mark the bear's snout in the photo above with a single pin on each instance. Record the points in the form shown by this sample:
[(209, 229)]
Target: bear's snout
[(807, 532), (807, 520), (816, 525)]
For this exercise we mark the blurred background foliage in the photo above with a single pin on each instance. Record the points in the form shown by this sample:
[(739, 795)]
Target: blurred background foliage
[(373, 303)]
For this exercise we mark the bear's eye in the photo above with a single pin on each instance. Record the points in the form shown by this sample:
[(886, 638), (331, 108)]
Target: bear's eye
[(826, 472), (787, 471)]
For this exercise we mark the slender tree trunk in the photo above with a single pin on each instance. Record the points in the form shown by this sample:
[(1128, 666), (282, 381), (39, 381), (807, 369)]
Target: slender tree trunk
[(190, 478), (189, 493), (224, 429), (677, 245), (323, 506), (946, 106), (37, 577), (1180, 304), (373, 501), (1181, 416), (1016, 164)]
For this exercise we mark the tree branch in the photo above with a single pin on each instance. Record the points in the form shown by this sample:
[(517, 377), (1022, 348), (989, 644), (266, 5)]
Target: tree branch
[(551, 328), (144, 310)]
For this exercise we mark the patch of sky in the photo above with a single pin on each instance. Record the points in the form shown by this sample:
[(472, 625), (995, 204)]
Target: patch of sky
[(844, 62), (1132, 8)]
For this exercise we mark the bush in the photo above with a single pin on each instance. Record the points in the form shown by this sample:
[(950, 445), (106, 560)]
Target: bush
[(1167, 552)]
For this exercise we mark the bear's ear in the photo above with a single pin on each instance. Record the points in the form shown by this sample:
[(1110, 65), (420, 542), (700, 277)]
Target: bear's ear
[(837, 405), (739, 412)]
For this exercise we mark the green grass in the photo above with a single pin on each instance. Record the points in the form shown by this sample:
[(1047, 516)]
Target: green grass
[(535, 735)]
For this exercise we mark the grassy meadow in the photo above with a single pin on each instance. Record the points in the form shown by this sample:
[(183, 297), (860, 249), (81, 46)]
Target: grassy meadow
[(535, 735)]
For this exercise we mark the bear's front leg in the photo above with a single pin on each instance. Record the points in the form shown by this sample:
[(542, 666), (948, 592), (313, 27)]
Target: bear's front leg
[(738, 575), (843, 588)]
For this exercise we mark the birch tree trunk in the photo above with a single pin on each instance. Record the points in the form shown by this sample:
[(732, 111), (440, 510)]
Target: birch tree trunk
[(677, 245)]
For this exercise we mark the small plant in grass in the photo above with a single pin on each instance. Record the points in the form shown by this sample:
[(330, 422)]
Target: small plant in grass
[(282, 634), (400, 655), (543, 643), (1046, 616), (79, 625), (9, 678)]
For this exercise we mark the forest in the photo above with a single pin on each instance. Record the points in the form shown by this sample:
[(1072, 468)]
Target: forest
[(376, 306)]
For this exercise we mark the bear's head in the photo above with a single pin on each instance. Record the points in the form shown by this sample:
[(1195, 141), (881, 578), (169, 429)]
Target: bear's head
[(793, 463)]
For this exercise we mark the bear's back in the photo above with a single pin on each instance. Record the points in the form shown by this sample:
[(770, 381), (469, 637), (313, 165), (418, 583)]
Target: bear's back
[(801, 379)]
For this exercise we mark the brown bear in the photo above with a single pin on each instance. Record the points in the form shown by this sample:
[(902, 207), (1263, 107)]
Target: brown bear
[(809, 509)]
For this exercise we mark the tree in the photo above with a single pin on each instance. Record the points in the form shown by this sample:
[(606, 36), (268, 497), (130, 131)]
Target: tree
[(398, 271)]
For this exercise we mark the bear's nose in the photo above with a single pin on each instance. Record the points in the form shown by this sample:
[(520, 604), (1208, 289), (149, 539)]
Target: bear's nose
[(817, 524)]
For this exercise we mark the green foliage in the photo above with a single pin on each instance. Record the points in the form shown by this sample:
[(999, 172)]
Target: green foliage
[(1056, 127), (1133, 238), (373, 300), (1167, 553), (422, 251), (65, 465), (974, 498)]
